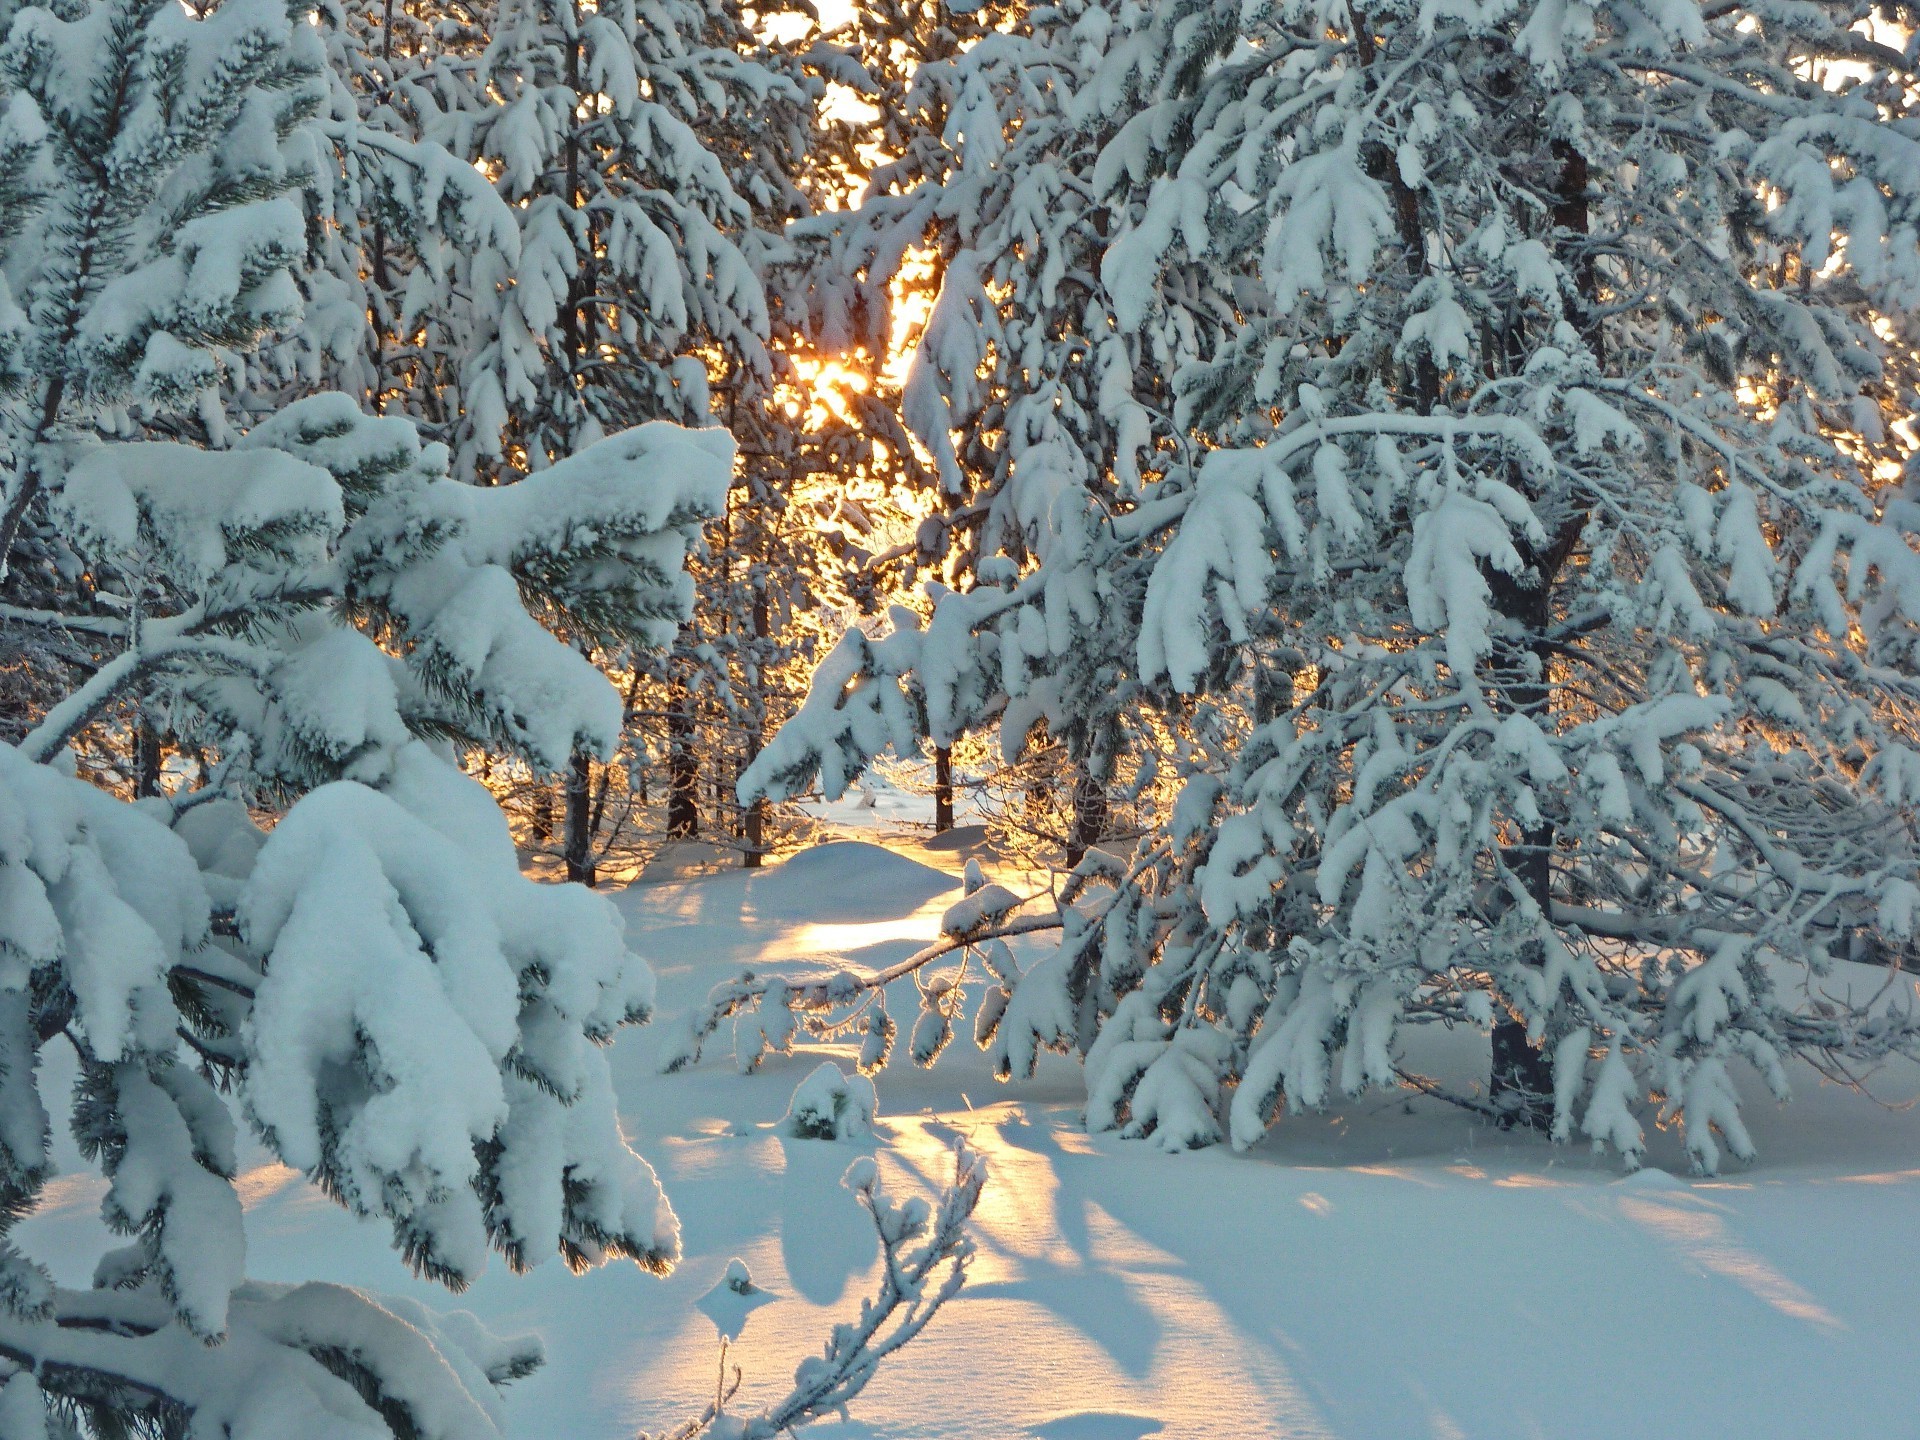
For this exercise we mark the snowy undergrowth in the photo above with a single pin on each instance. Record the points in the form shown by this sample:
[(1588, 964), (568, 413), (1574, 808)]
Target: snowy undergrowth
[(1341, 1280)]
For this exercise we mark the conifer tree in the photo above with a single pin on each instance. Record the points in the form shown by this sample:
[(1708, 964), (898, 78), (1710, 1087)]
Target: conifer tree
[(638, 285), (373, 987), (408, 237), (1521, 556), (1019, 389)]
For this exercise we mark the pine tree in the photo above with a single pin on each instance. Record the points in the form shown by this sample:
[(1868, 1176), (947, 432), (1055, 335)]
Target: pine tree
[(596, 124), (408, 237), (1022, 392), (733, 671), (394, 1008), (1522, 563)]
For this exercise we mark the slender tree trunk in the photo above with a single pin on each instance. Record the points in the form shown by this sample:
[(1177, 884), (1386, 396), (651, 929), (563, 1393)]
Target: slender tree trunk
[(542, 823), (148, 755), (579, 837), (1521, 1087), (942, 789), (598, 818), (683, 754), (1521, 1081), (754, 826), (1089, 813), (756, 834)]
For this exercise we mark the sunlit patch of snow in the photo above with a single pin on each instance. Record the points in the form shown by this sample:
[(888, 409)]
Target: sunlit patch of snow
[(1703, 1237)]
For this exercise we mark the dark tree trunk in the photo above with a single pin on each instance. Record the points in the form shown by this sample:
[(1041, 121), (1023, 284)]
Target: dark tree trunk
[(1521, 1087), (149, 751), (1089, 813), (598, 819), (753, 827), (942, 789), (683, 757), (579, 837), (542, 822), (756, 835)]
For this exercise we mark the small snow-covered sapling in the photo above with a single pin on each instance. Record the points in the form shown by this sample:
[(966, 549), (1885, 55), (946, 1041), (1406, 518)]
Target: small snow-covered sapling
[(831, 1105)]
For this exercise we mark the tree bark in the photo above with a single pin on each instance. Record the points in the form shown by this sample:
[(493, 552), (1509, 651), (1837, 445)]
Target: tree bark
[(148, 755), (1522, 1081), (753, 827), (683, 756), (1089, 825), (942, 789), (579, 836)]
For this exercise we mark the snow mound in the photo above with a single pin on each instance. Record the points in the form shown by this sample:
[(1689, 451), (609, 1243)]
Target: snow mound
[(1652, 1178), (831, 1105), (960, 837), (847, 880), (687, 859), (732, 1300)]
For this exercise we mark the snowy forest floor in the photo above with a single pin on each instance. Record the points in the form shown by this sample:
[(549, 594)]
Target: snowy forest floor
[(1386, 1271)]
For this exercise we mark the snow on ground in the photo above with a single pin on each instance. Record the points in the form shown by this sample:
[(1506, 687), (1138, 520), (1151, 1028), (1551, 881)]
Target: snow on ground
[(1387, 1271)]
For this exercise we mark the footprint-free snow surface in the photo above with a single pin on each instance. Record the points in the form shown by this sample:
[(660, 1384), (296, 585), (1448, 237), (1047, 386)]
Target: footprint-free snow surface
[(1388, 1271)]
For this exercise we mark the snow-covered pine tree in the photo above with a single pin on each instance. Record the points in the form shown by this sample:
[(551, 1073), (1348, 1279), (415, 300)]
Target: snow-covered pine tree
[(1030, 402), (734, 671), (1533, 565), (635, 290), (395, 1010), (823, 521), (401, 227)]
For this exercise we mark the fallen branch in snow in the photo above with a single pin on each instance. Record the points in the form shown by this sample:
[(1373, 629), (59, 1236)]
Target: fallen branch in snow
[(829, 1004), (1436, 1091), (925, 1249)]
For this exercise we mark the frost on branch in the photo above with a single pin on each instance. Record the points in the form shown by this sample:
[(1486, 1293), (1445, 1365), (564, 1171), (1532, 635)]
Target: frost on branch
[(924, 1252)]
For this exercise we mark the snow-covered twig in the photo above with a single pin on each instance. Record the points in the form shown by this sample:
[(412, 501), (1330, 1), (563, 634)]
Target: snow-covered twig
[(925, 1250)]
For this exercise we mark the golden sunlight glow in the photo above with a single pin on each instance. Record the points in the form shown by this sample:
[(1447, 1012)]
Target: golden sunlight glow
[(830, 387), (827, 385)]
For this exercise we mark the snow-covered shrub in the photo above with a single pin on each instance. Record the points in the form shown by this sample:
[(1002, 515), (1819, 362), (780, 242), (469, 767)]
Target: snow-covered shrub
[(831, 1105), (731, 1302), (1464, 422)]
